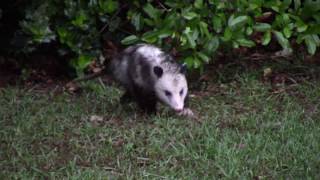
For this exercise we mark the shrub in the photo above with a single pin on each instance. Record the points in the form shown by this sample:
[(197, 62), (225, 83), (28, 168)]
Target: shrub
[(196, 29), (74, 25)]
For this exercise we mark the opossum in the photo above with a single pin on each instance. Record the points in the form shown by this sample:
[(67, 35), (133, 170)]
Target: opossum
[(148, 76)]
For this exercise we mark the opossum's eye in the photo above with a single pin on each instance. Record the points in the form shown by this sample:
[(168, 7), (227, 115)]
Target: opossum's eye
[(158, 71), (167, 93), (181, 92)]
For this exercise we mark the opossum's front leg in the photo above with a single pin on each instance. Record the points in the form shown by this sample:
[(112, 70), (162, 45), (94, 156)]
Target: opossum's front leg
[(186, 110)]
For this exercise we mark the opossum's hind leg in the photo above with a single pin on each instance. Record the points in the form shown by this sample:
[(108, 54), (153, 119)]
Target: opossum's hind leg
[(146, 101), (126, 98)]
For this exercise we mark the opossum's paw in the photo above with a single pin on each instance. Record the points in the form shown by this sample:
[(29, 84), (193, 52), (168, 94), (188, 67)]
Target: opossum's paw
[(186, 112)]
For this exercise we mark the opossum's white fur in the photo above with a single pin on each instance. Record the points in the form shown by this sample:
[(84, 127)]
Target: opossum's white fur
[(148, 73), (174, 83), (151, 53)]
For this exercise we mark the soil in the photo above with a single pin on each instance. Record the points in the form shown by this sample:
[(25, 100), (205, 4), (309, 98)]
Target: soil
[(33, 70)]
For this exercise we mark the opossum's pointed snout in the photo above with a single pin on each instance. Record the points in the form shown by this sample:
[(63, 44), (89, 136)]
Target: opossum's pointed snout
[(177, 103), (178, 108)]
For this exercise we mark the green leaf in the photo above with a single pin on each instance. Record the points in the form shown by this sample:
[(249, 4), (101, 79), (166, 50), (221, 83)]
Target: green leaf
[(235, 45), (189, 61), (172, 4), (266, 38), (190, 37), (311, 44), (170, 21), (191, 41), (285, 4), (149, 22), (233, 22), (130, 40), (195, 34), (196, 63), (245, 42), (150, 36), (297, 4), (275, 8), (316, 17), (63, 34), (249, 31), (81, 62), (204, 29), (262, 27), (217, 24), (203, 57), (282, 40), (183, 40), (151, 11), (136, 21), (108, 6), (221, 5), (80, 19), (310, 8), (286, 18), (227, 34), (313, 29), (301, 26), (212, 45), (316, 39), (300, 38), (198, 4), (84, 61), (164, 33), (189, 15), (287, 32)]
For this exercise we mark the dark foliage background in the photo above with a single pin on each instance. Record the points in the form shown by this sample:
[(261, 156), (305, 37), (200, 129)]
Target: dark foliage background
[(194, 30)]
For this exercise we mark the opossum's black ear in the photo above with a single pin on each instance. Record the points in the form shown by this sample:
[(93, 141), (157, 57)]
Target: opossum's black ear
[(158, 71), (183, 68)]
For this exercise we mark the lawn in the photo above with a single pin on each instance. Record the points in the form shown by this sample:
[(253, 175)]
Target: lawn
[(245, 129)]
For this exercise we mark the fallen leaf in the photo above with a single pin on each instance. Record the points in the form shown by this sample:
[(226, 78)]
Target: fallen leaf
[(267, 72), (118, 142), (95, 118), (72, 87)]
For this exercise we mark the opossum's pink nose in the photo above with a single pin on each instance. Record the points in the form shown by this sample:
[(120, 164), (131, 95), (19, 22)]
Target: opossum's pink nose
[(178, 110)]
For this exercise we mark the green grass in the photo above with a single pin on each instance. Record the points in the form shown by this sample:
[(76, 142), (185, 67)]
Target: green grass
[(246, 131)]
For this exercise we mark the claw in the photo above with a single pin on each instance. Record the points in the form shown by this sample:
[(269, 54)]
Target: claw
[(186, 112)]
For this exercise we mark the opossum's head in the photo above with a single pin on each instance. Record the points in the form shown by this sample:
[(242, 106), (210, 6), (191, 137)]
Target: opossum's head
[(171, 87)]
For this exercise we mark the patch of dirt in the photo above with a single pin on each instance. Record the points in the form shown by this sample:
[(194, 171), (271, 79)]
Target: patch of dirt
[(42, 73), (9, 72)]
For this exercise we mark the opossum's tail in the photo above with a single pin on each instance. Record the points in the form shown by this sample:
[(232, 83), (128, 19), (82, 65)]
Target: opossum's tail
[(90, 76)]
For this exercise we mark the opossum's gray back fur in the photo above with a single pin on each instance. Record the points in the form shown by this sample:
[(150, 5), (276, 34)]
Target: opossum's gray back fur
[(150, 76), (135, 65), (120, 64)]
